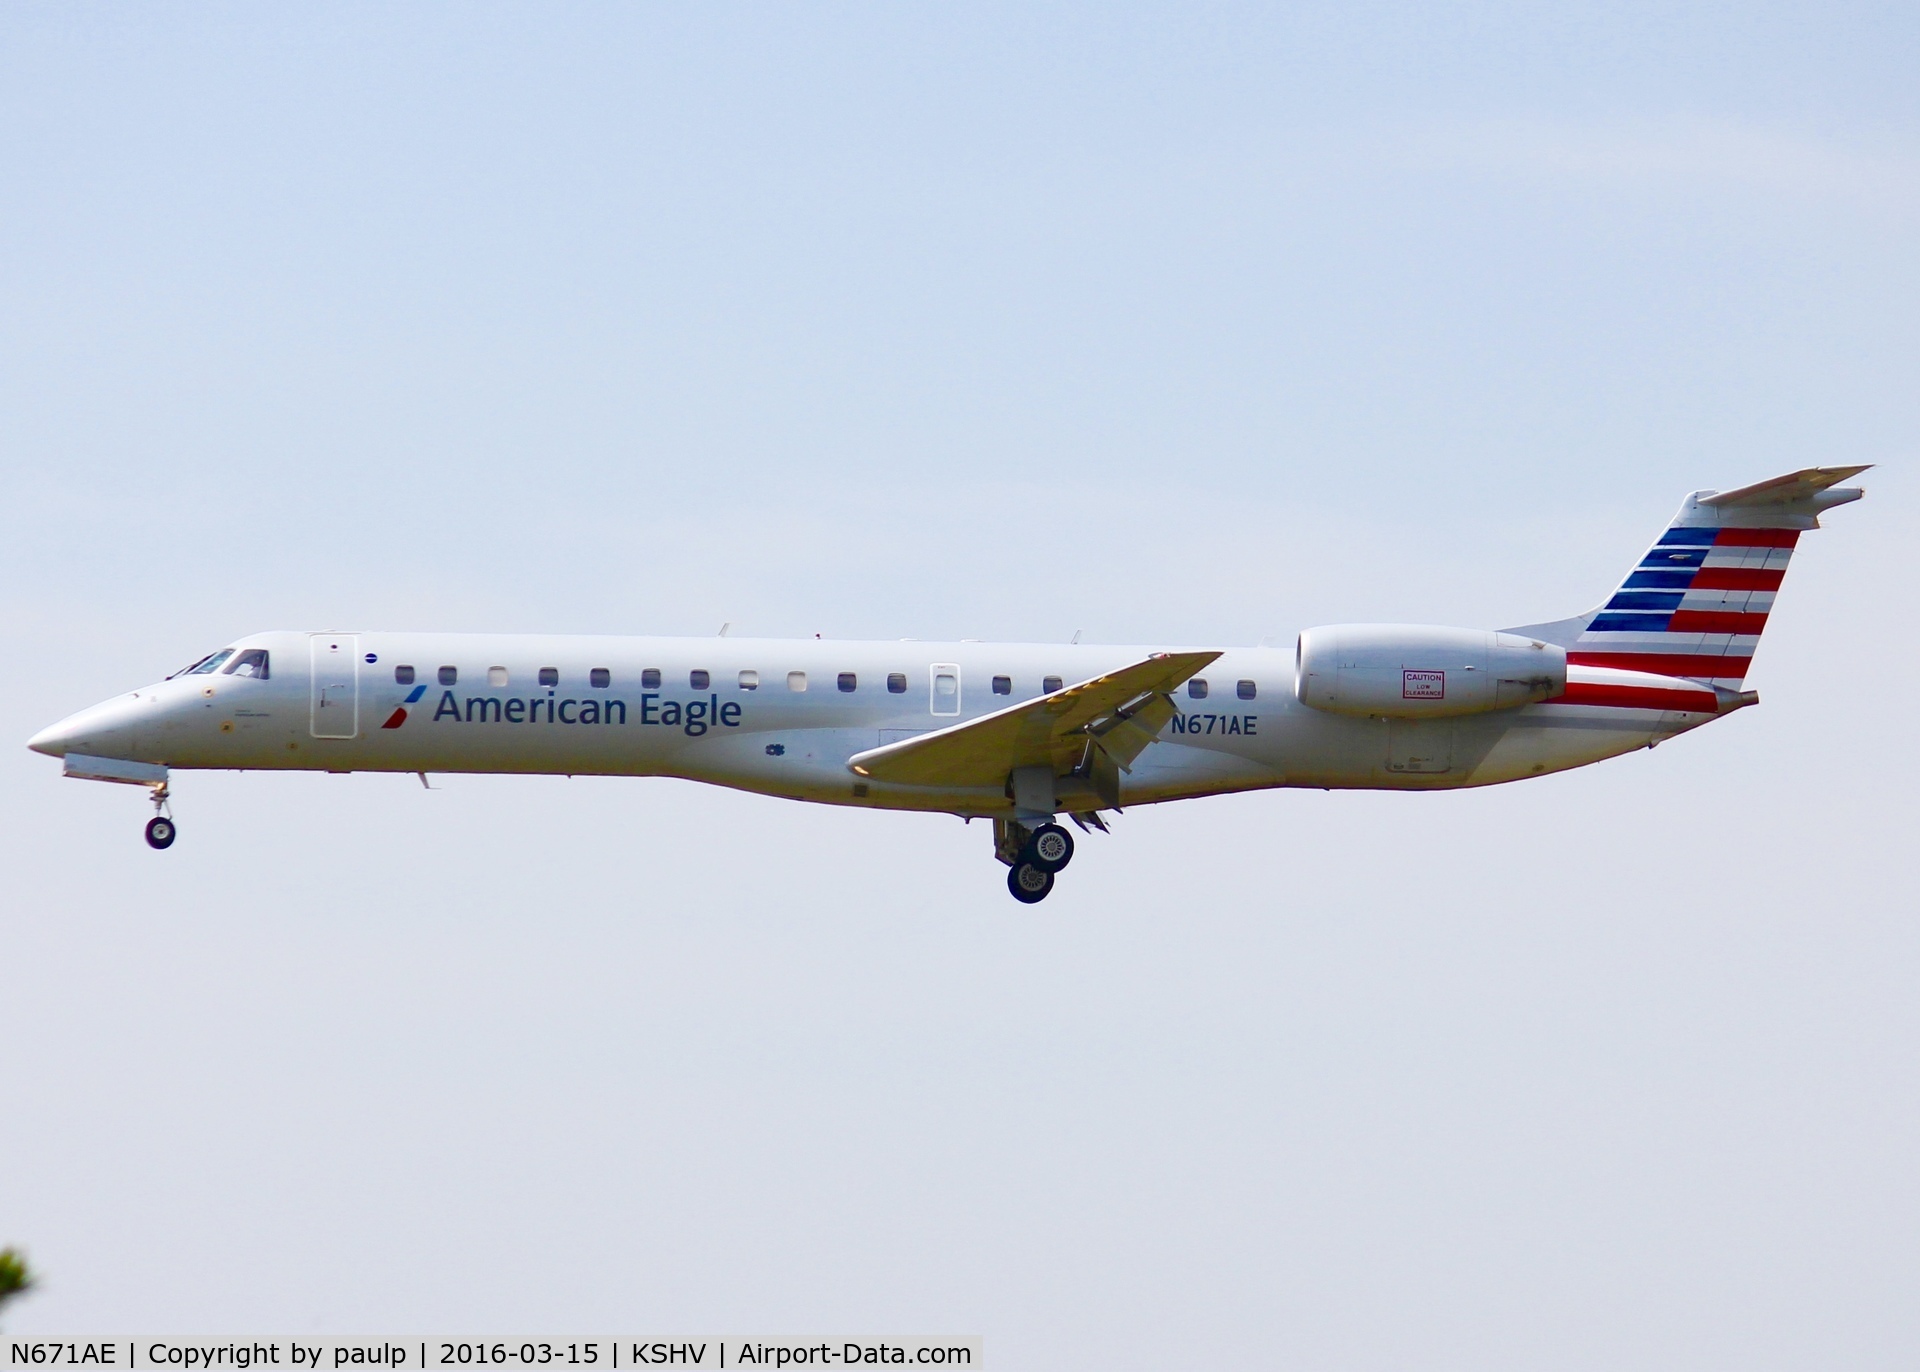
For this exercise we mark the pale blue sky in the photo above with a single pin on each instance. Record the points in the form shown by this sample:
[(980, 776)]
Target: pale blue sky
[(1188, 324)]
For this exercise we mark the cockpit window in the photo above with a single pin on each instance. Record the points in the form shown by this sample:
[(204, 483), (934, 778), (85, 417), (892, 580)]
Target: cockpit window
[(194, 666), (252, 662), (210, 665)]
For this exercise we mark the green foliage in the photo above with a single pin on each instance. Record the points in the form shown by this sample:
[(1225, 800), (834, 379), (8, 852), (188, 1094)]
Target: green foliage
[(14, 1276)]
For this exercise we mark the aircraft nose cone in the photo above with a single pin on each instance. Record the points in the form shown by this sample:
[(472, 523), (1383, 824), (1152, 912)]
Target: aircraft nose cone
[(52, 740), (105, 729)]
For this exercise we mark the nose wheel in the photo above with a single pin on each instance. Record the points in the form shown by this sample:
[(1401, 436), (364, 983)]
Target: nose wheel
[(161, 830)]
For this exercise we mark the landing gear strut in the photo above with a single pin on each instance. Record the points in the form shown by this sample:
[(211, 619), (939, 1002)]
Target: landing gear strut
[(160, 829)]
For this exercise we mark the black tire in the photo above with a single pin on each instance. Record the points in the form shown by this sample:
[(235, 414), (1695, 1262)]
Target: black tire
[(1029, 883), (160, 832), (1050, 849)]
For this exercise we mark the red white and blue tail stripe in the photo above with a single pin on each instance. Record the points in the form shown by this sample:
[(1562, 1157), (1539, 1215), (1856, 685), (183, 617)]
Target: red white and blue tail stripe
[(1696, 604), (1694, 607)]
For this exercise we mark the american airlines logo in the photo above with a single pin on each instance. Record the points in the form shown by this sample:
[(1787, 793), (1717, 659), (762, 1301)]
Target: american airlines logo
[(399, 715), (1423, 685)]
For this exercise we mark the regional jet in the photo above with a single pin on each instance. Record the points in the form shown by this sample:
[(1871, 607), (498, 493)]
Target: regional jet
[(1022, 734)]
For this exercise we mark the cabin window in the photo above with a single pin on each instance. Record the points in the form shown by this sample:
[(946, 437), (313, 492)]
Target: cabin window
[(897, 683), (403, 676), (449, 675), (549, 676), (212, 664), (699, 679), (600, 678), (749, 679), (496, 676), (253, 663), (650, 678), (1050, 684), (1247, 690), (1003, 685), (796, 681), (1197, 688), (848, 681)]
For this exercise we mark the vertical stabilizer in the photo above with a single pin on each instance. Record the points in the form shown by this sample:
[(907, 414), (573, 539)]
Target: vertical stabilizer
[(1696, 604)]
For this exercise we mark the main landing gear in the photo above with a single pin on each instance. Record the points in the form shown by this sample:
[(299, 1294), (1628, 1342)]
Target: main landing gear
[(160, 829), (1029, 884), (1032, 856)]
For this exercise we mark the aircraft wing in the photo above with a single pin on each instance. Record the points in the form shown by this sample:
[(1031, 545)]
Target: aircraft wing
[(1114, 716)]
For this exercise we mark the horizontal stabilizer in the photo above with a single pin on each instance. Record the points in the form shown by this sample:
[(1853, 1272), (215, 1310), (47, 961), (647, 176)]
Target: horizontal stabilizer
[(1123, 709), (1792, 488)]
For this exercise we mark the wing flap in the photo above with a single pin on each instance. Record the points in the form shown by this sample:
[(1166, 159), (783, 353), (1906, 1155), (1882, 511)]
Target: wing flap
[(1121, 713)]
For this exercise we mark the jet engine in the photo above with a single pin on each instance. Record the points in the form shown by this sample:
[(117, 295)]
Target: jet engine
[(1419, 671)]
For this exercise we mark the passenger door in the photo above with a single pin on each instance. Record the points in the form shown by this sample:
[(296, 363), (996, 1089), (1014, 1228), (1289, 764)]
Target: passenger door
[(335, 663)]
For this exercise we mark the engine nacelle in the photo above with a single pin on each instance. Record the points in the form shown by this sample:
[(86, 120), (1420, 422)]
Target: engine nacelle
[(1420, 671)]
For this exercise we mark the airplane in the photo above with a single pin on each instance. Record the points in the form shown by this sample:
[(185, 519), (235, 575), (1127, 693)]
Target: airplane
[(1021, 734)]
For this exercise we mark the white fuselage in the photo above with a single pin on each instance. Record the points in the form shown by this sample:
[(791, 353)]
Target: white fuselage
[(782, 717)]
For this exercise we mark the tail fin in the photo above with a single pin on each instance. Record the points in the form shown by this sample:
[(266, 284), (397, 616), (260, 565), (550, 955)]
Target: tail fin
[(1695, 605)]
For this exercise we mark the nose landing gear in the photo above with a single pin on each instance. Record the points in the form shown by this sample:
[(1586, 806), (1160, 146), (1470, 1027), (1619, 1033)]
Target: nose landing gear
[(161, 830)]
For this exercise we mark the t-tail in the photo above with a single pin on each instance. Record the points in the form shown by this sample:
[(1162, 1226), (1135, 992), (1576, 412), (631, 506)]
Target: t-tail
[(1695, 606)]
